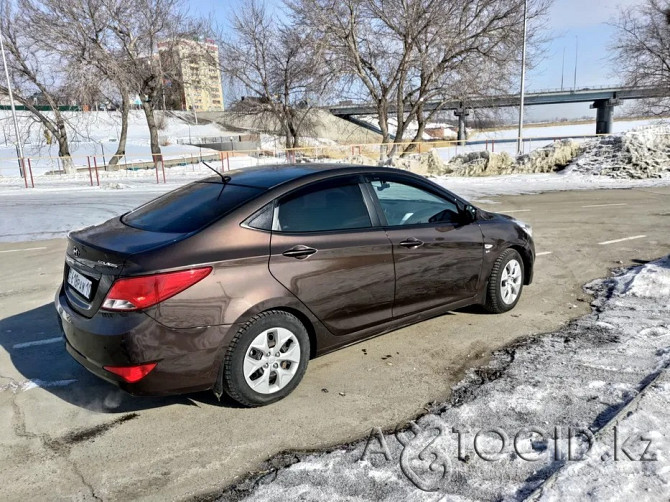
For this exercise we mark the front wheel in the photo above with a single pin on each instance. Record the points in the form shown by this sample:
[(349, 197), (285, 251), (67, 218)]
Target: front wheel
[(505, 283), (266, 359)]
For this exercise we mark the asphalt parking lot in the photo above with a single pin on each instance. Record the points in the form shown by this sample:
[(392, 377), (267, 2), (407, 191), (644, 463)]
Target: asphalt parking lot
[(65, 434)]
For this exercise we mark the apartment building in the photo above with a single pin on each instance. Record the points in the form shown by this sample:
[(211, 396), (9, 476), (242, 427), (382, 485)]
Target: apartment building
[(197, 79)]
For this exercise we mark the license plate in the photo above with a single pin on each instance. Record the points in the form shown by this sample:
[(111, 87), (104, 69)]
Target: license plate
[(79, 283)]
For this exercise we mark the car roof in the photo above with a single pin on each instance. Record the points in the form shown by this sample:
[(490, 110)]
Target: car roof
[(269, 176)]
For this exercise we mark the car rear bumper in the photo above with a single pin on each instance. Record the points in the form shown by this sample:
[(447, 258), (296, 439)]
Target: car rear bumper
[(187, 360)]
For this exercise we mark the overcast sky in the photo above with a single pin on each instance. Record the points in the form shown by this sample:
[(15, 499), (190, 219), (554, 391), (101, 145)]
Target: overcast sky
[(569, 22)]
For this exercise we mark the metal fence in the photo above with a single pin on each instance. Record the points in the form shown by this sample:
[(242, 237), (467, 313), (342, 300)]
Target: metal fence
[(91, 170)]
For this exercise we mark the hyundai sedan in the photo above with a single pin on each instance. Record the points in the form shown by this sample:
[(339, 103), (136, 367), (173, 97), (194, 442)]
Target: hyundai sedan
[(232, 283)]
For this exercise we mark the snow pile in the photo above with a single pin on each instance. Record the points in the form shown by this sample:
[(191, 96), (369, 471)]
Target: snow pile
[(115, 186), (640, 153), (547, 159), (537, 421), (653, 283)]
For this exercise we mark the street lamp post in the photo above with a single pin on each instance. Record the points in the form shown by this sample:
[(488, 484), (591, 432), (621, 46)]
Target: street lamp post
[(523, 79), (19, 147)]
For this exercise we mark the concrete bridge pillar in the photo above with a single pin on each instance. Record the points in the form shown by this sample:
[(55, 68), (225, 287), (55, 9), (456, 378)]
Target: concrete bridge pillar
[(461, 113), (604, 109)]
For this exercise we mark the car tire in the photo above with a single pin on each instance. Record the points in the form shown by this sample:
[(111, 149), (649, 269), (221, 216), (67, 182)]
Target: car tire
[(505, 282), (256, 372)]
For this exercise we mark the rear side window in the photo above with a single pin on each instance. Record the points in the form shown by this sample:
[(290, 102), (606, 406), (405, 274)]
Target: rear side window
[(323, 208), (190, 207)]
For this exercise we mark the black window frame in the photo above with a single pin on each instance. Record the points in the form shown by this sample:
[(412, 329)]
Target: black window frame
[(248, 221), (349, 179), (461, 205)]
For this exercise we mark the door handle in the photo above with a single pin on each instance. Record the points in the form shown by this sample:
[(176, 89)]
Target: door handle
[(411, 243), (300, 252)]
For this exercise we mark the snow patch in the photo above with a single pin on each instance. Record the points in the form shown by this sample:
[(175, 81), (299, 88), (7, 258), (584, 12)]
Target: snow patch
[(583, 376), (116, 186)]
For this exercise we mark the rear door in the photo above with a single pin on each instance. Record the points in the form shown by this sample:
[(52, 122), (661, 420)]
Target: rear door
[(438, 254), (326, 251)]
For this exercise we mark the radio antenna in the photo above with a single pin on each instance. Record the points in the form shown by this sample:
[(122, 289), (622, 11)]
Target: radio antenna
[(224, 179)]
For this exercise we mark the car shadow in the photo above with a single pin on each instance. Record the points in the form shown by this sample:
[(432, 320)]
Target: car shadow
[(48, 365), (473, 309)]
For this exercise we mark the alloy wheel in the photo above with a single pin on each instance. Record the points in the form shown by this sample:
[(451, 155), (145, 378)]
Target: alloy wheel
[(510, 282)]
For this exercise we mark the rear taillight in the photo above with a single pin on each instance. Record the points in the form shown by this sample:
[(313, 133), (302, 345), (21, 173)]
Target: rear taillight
[(131, 374), (135, 293)]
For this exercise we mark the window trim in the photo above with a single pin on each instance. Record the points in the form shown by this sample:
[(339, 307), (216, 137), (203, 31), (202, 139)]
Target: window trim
[(418, 184), (252, 216), (356, 179)]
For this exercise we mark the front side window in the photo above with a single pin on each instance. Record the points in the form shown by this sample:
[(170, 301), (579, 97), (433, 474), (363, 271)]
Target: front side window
[(324, 208), (405, 204)]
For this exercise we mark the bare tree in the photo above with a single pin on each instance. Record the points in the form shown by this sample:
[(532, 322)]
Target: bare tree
[(35, 71), (402, 53), (80, 31), (642, 48), (277, 66), (138, 27), (472, 50), (369, 40)]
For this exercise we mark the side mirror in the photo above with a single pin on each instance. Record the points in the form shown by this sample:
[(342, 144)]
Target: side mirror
[(468, 214)]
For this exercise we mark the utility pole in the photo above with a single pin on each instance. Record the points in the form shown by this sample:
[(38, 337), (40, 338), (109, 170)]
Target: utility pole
[(19, 147), (195, 113), (519, 146), (574, 83), (563, 69)]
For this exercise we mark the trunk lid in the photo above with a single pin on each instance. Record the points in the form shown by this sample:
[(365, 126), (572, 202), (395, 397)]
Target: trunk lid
[(95, 257)]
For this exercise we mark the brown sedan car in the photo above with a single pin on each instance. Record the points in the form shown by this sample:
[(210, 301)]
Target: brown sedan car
[(233, 283)]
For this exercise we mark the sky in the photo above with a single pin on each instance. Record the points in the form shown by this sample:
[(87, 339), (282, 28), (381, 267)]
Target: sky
[(569, 22), (585, 23)]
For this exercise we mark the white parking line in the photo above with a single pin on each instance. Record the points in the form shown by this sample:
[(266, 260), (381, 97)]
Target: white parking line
[(515, 211), (34, 384), (24, 249), (621, 240), (605, 205), (37, 342), (543, 253), (25, 385)]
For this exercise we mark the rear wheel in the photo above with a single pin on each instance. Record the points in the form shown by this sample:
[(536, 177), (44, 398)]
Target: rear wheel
[(266, 359), (505, 282)]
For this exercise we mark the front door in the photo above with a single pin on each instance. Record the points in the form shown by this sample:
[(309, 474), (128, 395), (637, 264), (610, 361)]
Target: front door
[(325, 250), (438, 254)]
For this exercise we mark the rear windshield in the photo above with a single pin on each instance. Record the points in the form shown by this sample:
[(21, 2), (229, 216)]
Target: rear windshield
[(190, 207)]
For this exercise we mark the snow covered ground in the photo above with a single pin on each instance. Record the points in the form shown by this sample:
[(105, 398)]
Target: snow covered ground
[(49, 212), (68, 202), (126, 178), (587, 129), (97, 133), (537, 136), (539, 421)]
